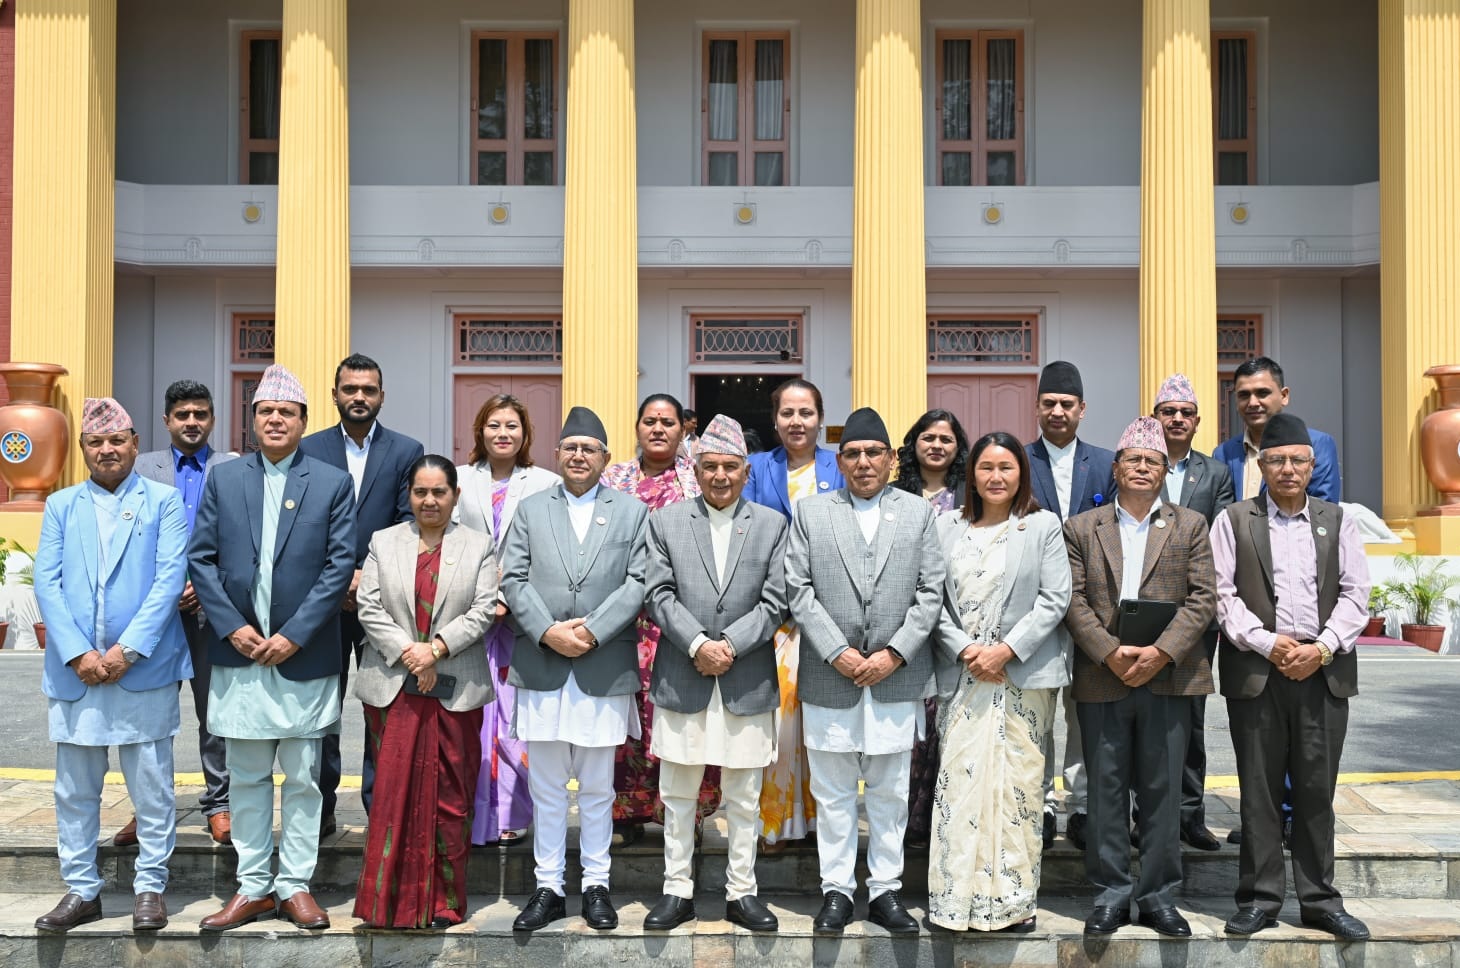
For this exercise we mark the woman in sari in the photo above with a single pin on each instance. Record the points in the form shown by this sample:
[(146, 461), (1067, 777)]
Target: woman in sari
[(497, 476), (930, 462), (660, 476), (426, 596), (779, 478), (1005, 657)]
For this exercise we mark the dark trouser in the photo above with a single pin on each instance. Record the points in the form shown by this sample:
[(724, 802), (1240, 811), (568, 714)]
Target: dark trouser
[(211, 749), (352, 641), (1296, 728), (1194, 772), (1134, 745)]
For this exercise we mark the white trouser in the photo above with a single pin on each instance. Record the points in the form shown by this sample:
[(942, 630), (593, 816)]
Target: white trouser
[(301, 807), (834, 786), (679, 788), (550, 765), (80, 775), (1076, 784)]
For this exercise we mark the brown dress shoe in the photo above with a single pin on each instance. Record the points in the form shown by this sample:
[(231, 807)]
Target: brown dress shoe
[(220, 825), (127, 836), (149, 912), (240, 910), (304, 912), (72, 911)]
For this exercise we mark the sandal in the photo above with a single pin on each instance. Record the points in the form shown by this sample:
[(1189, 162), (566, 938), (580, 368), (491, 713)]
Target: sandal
[(512, 836)]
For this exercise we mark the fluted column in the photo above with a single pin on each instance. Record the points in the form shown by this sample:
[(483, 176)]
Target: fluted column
[(1178, 274), (601, 221), (64, 214), (889, 281), (312, 284), (1419, 186)]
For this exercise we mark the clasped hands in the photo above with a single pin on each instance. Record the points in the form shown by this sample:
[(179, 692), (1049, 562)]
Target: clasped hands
[(252, 645), (868, 671), (986, 662), (1136, 665), (714, 657), (1294, 659), (420, 661), (95, 668), (570, 638)]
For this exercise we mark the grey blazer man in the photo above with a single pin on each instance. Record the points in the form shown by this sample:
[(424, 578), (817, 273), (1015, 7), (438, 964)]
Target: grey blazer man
[(1036, 595), (548, 577), (466, 602), (686, 599), (1207, 488), (839, 602), (158, 465)]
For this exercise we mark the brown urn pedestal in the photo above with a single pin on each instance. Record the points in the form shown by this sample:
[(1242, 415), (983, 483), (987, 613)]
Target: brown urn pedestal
[(1439, 441), (34, 435)]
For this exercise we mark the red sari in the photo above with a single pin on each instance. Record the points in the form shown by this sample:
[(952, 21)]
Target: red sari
[(426, 764)]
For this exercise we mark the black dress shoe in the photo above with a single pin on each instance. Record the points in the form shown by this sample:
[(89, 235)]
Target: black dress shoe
[(598, 908), (1234, 837), (1197, 835), (1075, 829), (670, 912), (1049, 828), (835, 913), (71, 912), (327, 825), (149, 913), (1250, 920), (748, 912), (1340, 924), (1167, 921), (1106, 920), (543, 908), (886, 909)]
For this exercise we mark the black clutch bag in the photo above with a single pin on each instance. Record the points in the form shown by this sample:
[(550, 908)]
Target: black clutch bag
[(445, 686)]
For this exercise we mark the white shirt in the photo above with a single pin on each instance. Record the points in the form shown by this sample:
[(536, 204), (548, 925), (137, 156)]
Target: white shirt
[(721, 521), (1176, 476), (355, 457), (580, 510), (865, 510), (1133, 536), (1062, 469)]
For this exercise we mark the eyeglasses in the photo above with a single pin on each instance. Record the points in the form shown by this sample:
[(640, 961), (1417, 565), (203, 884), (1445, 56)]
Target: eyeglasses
[(1169, 412), (1276, 463), (871, 453), (1140, 460), (587, 450)]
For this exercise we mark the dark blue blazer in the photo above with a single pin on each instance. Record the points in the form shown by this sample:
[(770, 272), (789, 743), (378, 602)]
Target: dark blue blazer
[(1327, 482), (384, 499), (314, 560), (768, 483), (1094, 474)]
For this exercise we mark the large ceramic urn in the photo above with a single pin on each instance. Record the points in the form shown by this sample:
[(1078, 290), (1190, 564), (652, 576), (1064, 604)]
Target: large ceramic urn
[(1439, 439), (34, 435)]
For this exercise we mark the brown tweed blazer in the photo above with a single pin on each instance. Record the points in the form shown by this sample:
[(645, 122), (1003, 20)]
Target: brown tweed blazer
[(1178, 568)]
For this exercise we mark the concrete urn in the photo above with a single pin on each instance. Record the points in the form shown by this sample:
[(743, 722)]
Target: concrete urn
[(34, 435)]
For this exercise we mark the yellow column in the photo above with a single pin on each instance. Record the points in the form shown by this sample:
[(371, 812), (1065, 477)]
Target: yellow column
[(889, 280), (312, 282), (64, 215), (1419, 185), (601, 220), (1178, 274)]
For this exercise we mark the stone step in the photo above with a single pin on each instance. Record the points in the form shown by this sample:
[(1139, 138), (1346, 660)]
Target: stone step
[(1407, 932)]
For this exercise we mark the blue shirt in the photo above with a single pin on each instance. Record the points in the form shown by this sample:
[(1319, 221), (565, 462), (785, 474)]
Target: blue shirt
[(187, 476)]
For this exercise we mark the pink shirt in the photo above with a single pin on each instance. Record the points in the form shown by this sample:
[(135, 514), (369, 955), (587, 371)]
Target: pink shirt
[(1295, 579)]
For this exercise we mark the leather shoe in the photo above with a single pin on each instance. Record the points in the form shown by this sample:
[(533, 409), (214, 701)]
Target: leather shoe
[(670, 912), (1340, 924), (127, 836), (1049, 828), (598, 908), (543, 908), (748, 912), (835, 913), (327, 825), (69, 913), (1075, 830), (149, 912), (1167, 921), (1197, 835), (305, 912), (1234, 837), (220, 828), (1250, 920), (240, 910), (1106, 920), (886, 909)]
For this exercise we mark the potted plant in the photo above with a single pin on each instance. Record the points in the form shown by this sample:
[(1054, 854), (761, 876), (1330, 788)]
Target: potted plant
[(1380, 602), (1426, 591)]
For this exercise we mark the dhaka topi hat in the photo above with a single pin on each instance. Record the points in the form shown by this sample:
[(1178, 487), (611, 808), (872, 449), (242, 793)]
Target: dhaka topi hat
[(1283, 430), (103, 415), (1145, 433), (723, 435), (865, 424), (1061, 377), (583, 422), (281, 386), (1176, 389)]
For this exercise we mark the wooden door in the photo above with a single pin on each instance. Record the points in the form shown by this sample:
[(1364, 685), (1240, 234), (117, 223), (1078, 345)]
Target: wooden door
[(984, 403), (542, 395)]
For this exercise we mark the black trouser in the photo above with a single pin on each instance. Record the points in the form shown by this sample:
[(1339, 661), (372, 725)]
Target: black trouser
[(1194, 772), (352, 641)]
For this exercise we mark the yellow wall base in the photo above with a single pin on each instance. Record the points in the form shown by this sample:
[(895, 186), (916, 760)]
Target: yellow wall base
[(21, 526), (1437, 534)]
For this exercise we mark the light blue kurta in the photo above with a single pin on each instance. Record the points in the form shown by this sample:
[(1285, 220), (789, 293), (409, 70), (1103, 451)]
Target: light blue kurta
[(258, 702), (110, 715)]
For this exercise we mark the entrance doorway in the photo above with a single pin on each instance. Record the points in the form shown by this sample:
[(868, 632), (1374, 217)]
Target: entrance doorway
[(542, 395), (746, 397)]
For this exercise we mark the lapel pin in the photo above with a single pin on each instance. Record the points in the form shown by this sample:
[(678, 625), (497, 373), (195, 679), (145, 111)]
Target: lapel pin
[(739, 530), (1023, 524), (823, 485), (601, 519), (888, 516), (1191, 480), (289, 504), (1160, 522), (126, 515), (1322, 531)]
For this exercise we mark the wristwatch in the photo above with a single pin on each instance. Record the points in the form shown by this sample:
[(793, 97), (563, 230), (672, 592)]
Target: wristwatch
[(437, 651), (130, 655), (1325, 654)]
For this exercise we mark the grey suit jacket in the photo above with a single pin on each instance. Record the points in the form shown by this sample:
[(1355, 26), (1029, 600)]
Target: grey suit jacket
[(686, 599), (474, 509), (548, 577), (1207, 489), (466, 602), (1036, 596), (839, 603), (158, 465)]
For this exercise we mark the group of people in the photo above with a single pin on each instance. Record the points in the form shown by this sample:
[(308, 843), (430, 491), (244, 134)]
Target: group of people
[(702, 626)]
